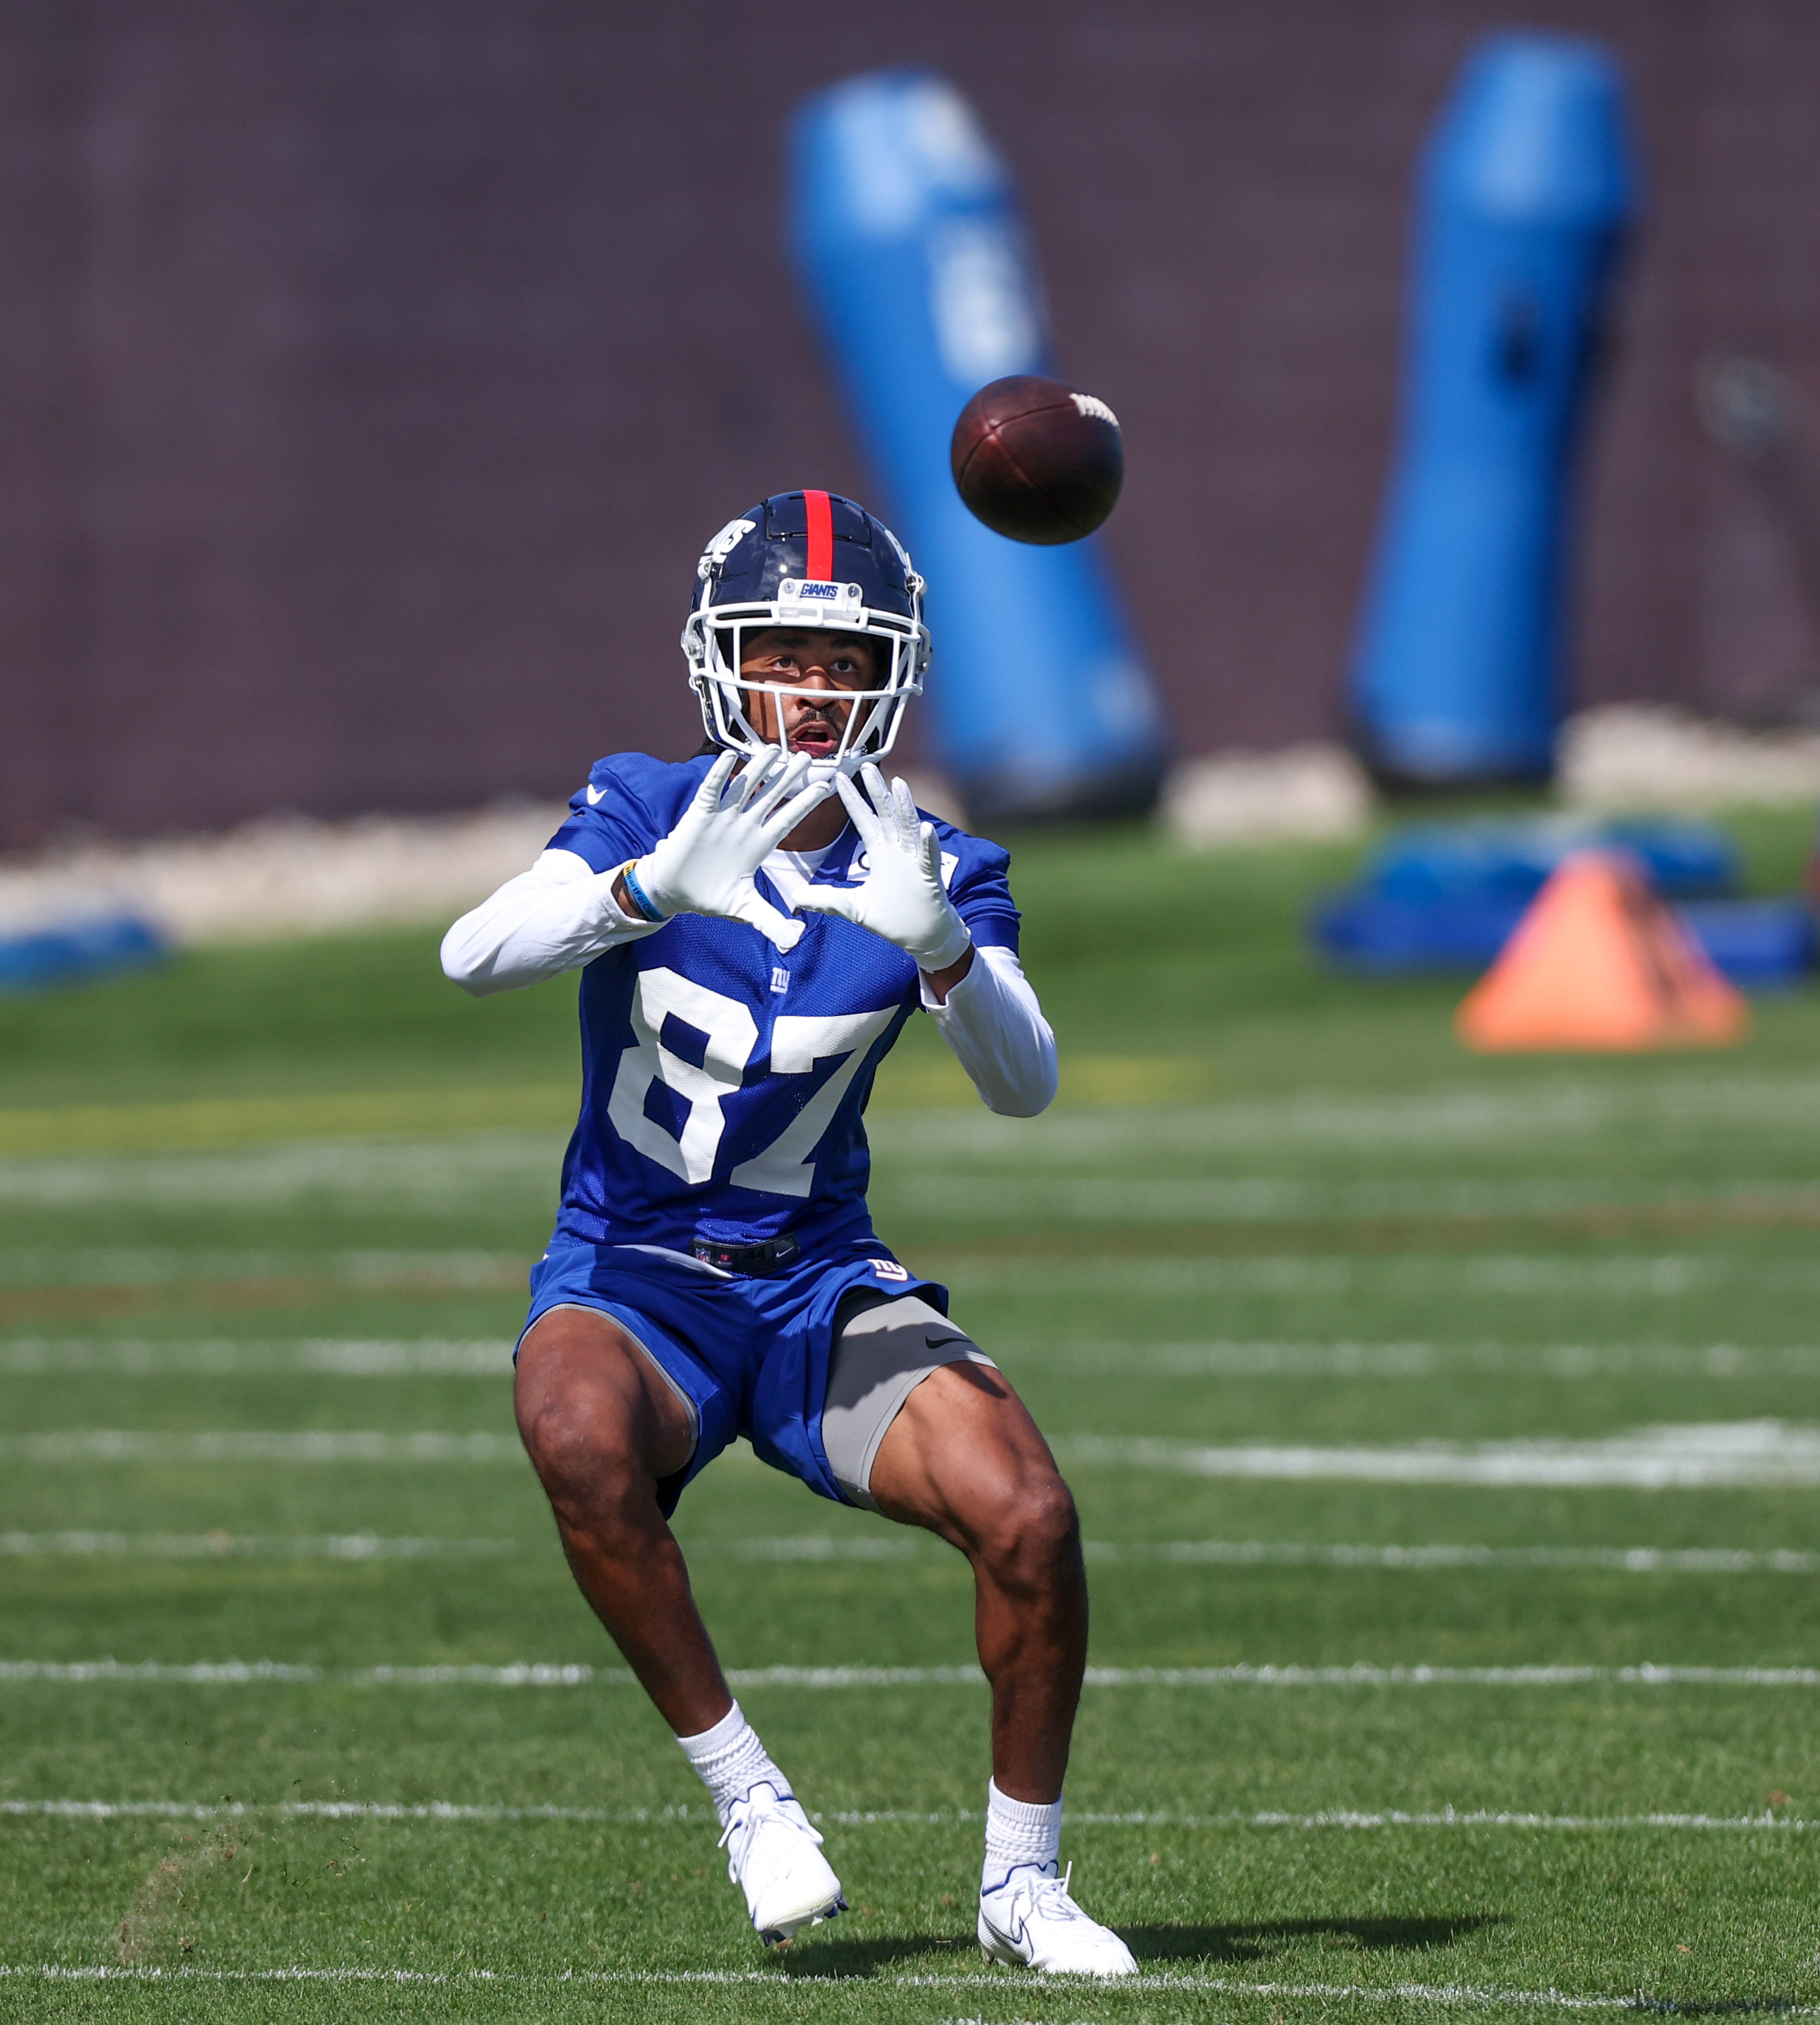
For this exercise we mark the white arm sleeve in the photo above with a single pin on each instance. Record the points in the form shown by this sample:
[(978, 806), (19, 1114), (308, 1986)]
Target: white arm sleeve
[(556, 917), (996, 1028)]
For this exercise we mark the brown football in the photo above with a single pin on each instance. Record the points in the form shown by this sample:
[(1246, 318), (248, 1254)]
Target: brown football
[(1036, 461)]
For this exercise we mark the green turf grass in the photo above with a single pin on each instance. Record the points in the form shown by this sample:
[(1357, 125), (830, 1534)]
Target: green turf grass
[(275, 1191)]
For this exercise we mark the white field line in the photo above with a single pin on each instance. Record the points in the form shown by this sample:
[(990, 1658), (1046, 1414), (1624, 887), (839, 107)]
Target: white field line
[(1688, 1457), (122, 1265), (1407, 1360), (1621, 1277), (1681, 1106), (1625, 1561), (247, 1445), (904, 1546), (457, 1813), (868, 1547), (1252, 1199), (252, 1546), (252, 1672), (1457, 1996), (392, 1357), (1361, 1675), (1684, 1106), (221, 1357), (1553, 1109), (520, 1165)]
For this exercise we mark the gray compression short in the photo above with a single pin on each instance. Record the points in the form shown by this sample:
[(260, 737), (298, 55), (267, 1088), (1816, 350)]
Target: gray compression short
[(880, 1355)]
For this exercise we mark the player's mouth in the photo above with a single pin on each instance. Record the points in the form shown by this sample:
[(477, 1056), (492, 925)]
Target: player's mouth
[(815, 735)]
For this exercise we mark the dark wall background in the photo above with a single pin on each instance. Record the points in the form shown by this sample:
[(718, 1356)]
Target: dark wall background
[(371, 371)]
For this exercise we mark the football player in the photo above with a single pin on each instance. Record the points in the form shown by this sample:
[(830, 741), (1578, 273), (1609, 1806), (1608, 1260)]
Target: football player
[(754, 926)]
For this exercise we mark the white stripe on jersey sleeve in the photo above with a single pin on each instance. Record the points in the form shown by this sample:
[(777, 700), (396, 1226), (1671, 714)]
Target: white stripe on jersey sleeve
[(556, 917)]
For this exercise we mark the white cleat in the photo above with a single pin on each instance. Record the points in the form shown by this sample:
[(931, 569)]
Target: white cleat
[(775, 1857), (1031, 1922)]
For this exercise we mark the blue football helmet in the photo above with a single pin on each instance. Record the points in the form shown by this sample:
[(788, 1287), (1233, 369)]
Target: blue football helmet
[(815, 562)]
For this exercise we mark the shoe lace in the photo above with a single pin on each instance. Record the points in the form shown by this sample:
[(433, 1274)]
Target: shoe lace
[(1049, 1896), (749, 1813)]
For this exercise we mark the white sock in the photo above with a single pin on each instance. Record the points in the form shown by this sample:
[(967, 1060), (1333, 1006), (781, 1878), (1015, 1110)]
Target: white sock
[(1017, 1832), (732, 1761)]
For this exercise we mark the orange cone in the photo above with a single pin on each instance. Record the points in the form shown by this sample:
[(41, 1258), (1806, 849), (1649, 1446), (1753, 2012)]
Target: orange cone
[(1599, 961)]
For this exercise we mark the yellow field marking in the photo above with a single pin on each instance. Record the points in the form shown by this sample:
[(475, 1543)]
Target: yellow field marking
[(1135, 1079), (209, 1122), (206, 1122), (939, 1082)]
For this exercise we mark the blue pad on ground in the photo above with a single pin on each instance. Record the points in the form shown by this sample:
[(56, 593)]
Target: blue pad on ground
[(77, 952), (1474, 861), (1760, 944)]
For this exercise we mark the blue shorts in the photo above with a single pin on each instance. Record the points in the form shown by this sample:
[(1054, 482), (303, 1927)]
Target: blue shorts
[(750, 1355)]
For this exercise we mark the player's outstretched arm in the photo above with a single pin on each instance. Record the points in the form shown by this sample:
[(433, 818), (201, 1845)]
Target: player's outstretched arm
[(705, 865), (556, 917), (902, 897), (981, 1002), (991, 1020)]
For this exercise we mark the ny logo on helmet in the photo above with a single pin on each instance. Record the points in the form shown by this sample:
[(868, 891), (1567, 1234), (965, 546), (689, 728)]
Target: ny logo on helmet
[(722, 546)]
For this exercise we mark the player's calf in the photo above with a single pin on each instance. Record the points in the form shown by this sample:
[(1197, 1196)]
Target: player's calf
[(963, 1459)]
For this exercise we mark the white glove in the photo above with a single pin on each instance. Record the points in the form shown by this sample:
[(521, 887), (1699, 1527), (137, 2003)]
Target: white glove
[(705, 865), (902, 897)]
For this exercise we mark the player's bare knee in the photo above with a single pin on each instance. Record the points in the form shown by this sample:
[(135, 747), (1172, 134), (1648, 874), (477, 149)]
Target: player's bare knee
[(1033, 1542), (582, 1447), (1050, 1525)]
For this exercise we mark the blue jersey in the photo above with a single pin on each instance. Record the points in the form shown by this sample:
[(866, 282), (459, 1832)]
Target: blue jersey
[(722, 1082)]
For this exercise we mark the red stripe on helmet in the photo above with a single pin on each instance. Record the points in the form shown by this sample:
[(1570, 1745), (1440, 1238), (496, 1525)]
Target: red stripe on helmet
[(821, 536)]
